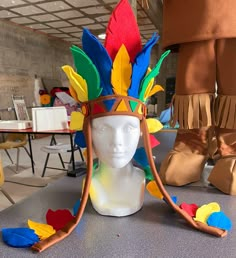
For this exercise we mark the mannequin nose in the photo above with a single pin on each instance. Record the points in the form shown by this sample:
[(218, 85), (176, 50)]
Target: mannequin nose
[(117, 139)]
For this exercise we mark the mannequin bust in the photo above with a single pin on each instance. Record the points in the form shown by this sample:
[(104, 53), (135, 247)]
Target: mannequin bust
[(117, 187)]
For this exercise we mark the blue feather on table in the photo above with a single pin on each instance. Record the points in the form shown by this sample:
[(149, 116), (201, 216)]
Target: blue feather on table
[(140, 66), (101, 59)]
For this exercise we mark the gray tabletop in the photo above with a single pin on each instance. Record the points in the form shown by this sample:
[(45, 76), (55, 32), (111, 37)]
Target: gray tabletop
[(154, 231)]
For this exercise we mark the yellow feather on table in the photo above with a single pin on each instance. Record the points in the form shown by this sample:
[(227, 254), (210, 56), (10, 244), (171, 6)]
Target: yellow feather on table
[(42, 230), (77, 82), (121, 72)]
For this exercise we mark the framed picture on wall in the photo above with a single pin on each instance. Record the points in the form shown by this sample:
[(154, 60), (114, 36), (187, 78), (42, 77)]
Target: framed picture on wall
[(20, 108)]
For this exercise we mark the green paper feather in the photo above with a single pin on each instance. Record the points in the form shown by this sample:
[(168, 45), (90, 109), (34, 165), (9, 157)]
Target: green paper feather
[(88, 71), (154, 72)]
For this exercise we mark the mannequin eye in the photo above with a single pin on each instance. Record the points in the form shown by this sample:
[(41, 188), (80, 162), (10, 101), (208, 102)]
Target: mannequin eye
[(101, 129), (131, 129)]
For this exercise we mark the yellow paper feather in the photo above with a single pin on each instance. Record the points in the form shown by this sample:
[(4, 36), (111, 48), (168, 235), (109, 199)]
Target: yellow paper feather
[(77, 82), (42, 230), (153, 90), (153, 125), (121, 72), (154, 190), (150, 84), (73, 93), (76, 121), (205, 211)]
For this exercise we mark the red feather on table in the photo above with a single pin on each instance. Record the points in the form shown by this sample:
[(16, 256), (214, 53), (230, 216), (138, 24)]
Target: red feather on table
[(123, 31)]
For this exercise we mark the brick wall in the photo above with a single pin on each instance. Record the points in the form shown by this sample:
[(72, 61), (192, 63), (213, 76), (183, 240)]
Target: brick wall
[(24, 53)]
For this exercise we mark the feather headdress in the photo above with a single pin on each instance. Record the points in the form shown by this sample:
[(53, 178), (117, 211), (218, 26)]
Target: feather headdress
[(115, 78)]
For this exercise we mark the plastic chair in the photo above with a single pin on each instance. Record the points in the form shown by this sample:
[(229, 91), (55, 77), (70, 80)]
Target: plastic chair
[(15, 141), (2, 178), (55, 148)]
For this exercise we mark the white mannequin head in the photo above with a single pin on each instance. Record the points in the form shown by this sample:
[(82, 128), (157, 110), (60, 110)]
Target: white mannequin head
[(115, 139)]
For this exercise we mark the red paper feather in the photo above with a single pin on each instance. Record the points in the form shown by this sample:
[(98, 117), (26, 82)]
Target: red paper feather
[(123, 29), (59, 218)]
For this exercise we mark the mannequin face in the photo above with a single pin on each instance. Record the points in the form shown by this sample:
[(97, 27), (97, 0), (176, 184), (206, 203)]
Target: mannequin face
[(115, 139)]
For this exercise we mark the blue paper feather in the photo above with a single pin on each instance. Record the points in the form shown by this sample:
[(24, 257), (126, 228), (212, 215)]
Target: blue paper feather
[(219, 220), (140, 66), (140, 157), (99, 56), (19, 237), (80, 139), (76, 207)]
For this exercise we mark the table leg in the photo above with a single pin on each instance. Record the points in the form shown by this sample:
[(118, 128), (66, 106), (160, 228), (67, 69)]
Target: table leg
[(31, 152)]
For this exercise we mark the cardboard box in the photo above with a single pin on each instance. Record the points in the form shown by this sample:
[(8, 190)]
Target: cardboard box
[(15, 124), (49, 118)]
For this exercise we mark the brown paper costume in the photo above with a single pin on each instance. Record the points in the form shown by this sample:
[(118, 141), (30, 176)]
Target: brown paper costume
[(203, 32)]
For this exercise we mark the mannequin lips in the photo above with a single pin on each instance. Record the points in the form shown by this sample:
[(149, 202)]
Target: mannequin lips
[(117, 154)]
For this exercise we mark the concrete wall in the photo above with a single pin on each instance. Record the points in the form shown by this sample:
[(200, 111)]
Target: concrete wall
[(23, 54), (168, 68)]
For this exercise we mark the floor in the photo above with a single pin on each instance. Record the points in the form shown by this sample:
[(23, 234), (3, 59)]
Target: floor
[(23, 183)]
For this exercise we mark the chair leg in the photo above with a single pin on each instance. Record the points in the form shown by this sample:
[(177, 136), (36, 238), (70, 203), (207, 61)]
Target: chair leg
[(9, 156), (62, 162), (81, 154), (7, 195), (17, 159), (45, 165)]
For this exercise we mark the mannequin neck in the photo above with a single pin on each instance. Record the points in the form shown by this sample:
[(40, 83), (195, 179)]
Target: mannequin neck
[(115, 172)]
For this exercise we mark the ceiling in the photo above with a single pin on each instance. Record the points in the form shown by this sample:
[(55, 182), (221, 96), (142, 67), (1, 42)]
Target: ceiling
[(65, 19)]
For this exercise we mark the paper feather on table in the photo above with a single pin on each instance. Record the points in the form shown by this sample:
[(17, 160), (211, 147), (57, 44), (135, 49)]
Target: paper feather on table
[(58, 218), (19, 237), (43, 231)]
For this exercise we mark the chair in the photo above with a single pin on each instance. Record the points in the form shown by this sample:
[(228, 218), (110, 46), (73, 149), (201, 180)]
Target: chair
[(2, 182), (55, 148), (15, 141)]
